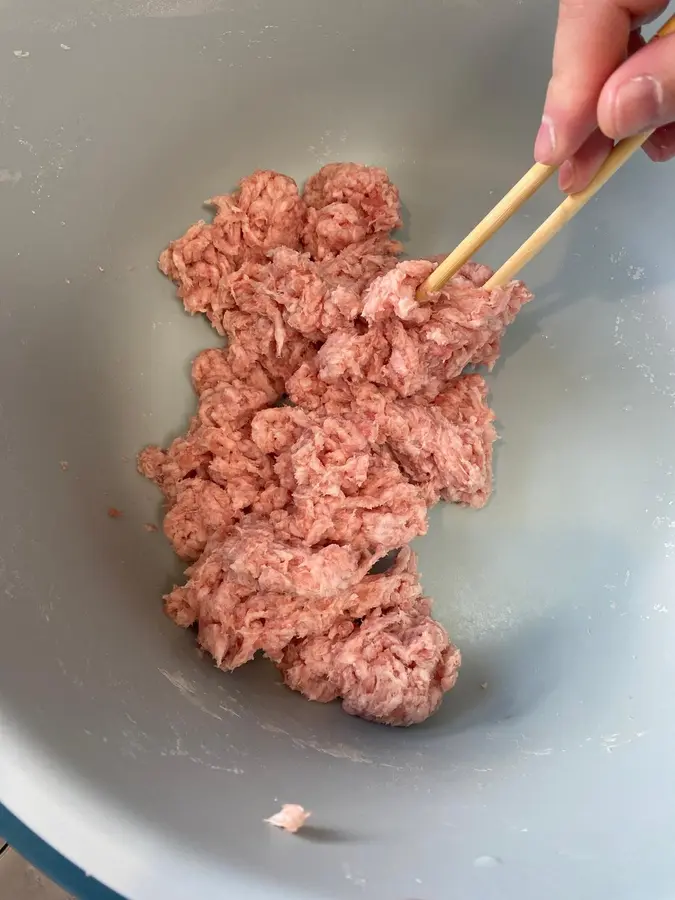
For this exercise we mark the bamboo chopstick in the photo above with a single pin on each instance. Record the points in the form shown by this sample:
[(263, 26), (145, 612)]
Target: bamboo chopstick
[(517, 196), (570, 206)]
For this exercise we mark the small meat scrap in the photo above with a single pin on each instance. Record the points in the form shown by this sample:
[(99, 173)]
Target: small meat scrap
[(64, 465), (150, 528), (114, 513), (290, 817), (339, 411)]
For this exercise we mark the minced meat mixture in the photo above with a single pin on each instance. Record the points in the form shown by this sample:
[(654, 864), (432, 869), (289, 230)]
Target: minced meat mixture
[(338, 413)]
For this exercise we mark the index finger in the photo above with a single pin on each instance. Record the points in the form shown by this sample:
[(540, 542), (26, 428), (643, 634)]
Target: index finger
[(591, 41)]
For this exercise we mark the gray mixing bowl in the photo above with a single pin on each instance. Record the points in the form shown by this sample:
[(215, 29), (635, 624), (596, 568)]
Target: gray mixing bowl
[(548, 772)]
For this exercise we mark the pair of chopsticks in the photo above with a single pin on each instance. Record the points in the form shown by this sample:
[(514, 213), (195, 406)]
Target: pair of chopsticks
[(528, 185)]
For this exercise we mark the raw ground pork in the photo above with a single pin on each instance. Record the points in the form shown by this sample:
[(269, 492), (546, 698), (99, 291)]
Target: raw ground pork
[(338, 413), (290, 817)]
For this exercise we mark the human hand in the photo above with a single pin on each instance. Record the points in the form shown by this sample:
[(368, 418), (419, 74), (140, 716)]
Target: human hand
[(606, 85)]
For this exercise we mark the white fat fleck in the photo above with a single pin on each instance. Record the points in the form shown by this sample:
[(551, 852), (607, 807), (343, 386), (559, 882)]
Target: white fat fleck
[(189, 691), (637, 273), (338, 751), (356, 880), (178, 681)]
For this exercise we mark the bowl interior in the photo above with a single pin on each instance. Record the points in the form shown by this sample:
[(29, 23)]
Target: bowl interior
[(118, 743)]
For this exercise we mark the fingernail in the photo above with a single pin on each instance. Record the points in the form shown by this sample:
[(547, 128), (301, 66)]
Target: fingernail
[(655, 147), (566, 175), (544, 146), (653, 151), (637, 105)]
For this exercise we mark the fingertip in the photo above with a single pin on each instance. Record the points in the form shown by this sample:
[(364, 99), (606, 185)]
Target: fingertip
[(559, 138)]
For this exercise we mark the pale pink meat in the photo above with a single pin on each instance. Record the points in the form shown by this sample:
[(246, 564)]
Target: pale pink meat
[(210, 368), (277, 429), (266, 212), (250, 591), (398, 588), (393, 293), (202, 508), (236, 618), (391, 664), (343, 488), (253, 556), (225, 454), (337, 414), (231, 402), (356, 266), (254, 344), (384, 512), (352, 200), (464, 403), (417, 349), (199, 262), (333, 228), (290, 817), (444, 447), (217, 366), (210, 477), (273, 212), (361, 402), (449, 457), (391, 668), (290, 291)]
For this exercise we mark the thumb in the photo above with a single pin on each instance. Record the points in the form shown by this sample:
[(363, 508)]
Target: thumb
[(641, 93)]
